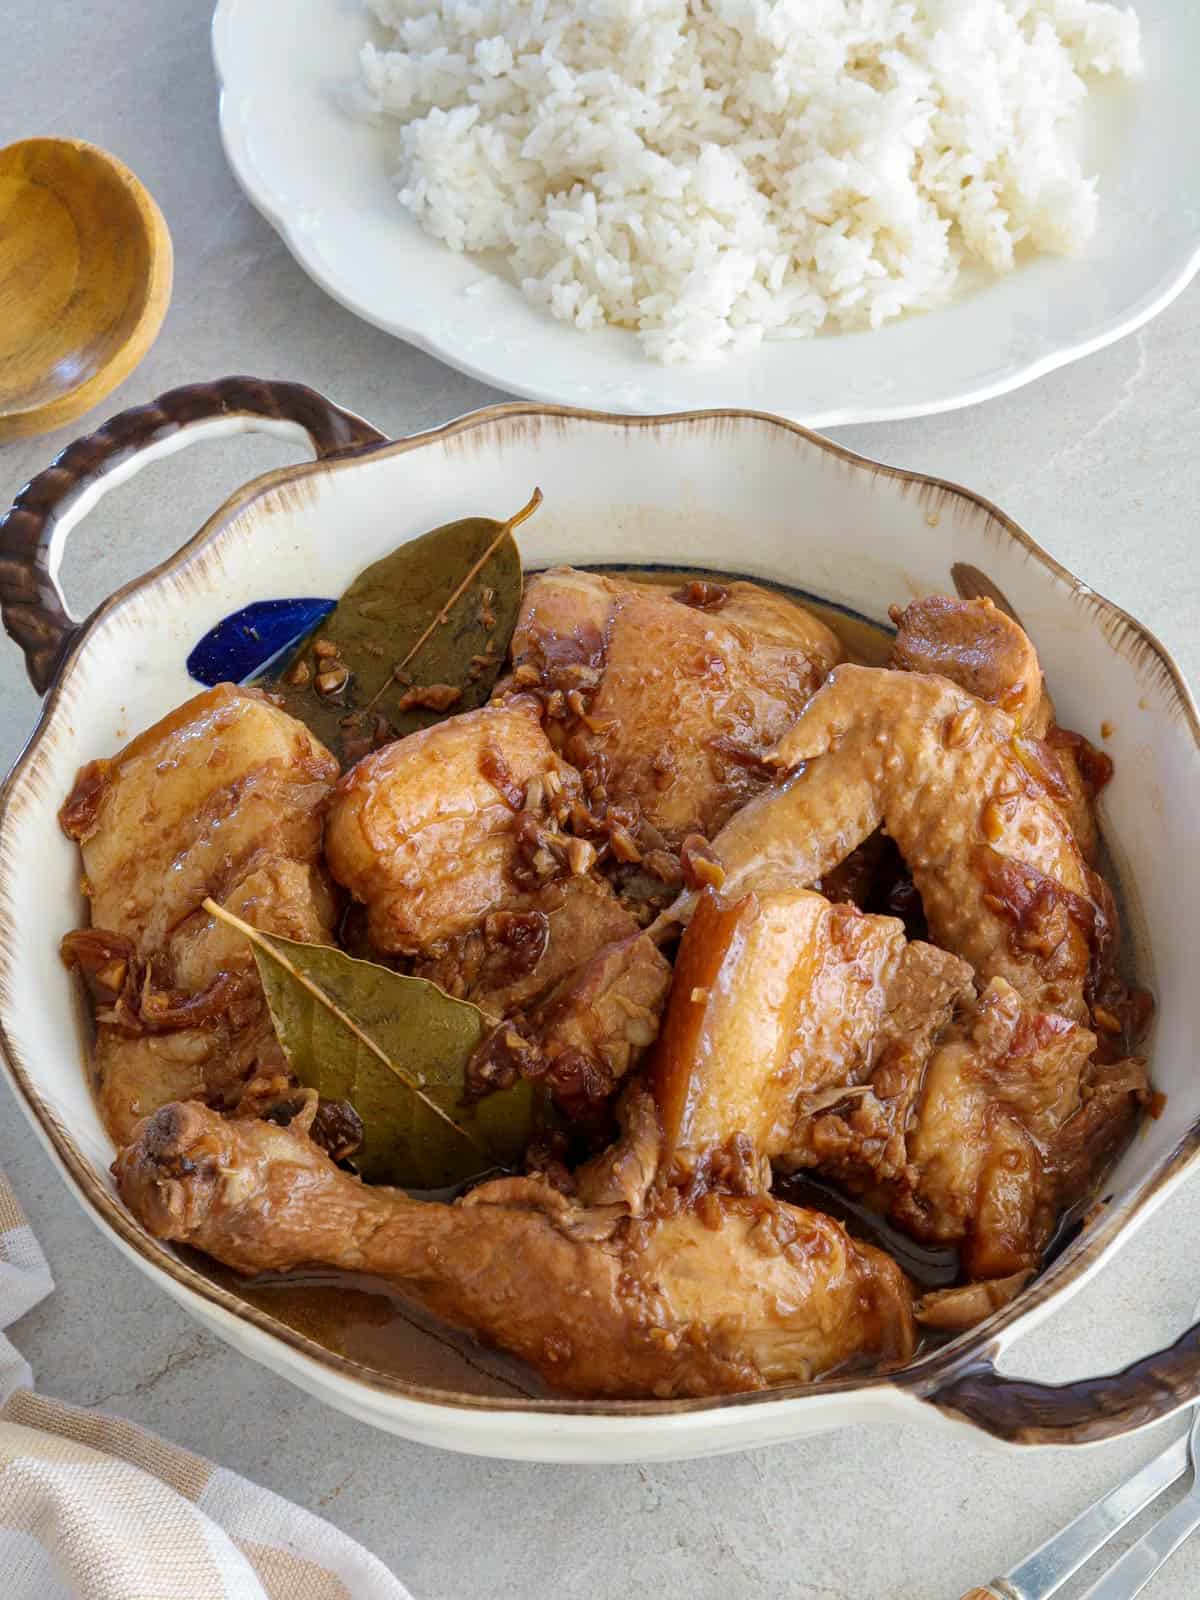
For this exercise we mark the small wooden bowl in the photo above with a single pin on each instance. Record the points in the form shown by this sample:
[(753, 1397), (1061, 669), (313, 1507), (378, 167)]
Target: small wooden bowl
[(85, 280)]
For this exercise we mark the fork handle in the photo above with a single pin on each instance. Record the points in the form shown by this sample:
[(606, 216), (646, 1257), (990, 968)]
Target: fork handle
[(1130, 1575)]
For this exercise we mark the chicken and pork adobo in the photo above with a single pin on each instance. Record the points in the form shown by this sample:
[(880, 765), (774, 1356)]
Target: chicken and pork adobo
[(741, 907)]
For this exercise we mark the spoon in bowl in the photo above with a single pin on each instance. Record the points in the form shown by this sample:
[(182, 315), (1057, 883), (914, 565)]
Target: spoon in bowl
[(85, 279)]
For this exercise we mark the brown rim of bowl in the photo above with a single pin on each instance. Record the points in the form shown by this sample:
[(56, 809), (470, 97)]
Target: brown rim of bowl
[(1124, 633)]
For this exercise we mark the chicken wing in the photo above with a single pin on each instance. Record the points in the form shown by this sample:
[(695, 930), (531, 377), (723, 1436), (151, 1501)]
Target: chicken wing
[(1001, 878), (730, 1297), (223, 798), (666, 702)]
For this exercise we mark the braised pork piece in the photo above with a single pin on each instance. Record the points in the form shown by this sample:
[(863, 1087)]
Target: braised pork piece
[(663, 862)]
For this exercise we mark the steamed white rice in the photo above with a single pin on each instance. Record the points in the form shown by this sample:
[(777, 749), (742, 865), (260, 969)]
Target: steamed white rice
[(713, 173)]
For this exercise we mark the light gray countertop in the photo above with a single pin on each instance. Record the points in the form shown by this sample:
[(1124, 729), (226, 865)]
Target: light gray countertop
[(1099, 462)]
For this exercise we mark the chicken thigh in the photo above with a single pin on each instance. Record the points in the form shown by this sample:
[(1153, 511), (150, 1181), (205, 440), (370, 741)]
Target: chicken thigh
[(437, 829), (781, 1000), (453, 838), (666, 701), (733, 1296), (222, 799)]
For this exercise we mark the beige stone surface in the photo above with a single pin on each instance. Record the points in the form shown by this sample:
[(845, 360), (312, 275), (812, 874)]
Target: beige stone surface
[(1099, 461)]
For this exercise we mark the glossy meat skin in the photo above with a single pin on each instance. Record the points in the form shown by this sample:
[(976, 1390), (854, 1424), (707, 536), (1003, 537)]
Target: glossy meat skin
[(978, 647), (453, 839), (779, 999), (223, 798), (974, 644), (752, 1292), (981, 1140), (222, 786), (424, 832), (978, 1144), (1002, 880), (517, 953), (665, 706)]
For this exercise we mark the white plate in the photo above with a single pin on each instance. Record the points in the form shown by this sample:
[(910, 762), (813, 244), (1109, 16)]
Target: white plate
[(322, 180)]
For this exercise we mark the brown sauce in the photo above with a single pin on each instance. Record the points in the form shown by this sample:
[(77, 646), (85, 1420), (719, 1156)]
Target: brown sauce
[(373, 1324), (929, 1266)]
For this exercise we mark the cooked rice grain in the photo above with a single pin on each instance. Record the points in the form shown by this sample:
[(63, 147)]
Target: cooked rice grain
[(713, 173)]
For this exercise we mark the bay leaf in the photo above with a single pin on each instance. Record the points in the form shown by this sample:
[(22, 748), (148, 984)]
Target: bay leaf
[(440, 610), (396, 1047)]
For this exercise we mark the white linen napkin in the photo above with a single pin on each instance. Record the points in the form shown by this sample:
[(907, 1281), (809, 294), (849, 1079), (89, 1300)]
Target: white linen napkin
[(94, 1508)]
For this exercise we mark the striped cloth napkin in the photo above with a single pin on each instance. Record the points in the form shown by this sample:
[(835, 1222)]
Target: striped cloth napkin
[(94, 1508)]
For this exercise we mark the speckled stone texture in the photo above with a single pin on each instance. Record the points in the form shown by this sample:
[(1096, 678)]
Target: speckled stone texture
[(1099, 462)]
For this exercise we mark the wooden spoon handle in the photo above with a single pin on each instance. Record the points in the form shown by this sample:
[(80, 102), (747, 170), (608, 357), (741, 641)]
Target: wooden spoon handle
[(34, 611)]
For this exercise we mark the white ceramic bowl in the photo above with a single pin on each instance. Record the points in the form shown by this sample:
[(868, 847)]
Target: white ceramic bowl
[(323, 181), (730, 491)]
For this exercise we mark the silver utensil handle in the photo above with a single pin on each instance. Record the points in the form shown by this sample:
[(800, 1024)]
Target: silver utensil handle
[(1130, 1575), (1053, 1563), (1045, 1571)]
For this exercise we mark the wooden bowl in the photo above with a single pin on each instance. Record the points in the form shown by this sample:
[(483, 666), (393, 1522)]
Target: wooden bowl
[(85, 280)]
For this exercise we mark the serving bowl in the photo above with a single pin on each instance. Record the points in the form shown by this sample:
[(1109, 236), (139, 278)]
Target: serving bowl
[(723, 490)]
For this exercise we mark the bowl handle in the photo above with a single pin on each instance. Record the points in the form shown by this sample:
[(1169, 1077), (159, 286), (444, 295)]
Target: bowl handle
[(1022, 1412), (33, 531)]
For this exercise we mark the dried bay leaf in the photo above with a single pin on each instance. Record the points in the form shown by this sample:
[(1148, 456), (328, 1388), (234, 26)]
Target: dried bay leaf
[(439, 611), (396, 1047)]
